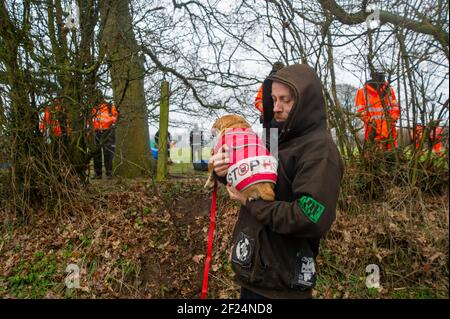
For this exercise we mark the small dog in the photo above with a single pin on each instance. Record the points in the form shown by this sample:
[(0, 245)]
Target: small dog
[(253, 170)]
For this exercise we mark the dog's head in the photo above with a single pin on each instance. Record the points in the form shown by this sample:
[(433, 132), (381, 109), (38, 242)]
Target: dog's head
[(228, 121)]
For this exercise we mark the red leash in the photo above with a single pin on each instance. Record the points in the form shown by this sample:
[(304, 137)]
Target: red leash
[(212, 225)]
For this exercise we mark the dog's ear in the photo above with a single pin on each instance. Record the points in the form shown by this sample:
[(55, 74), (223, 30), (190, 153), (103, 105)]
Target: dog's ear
[(217, 124)]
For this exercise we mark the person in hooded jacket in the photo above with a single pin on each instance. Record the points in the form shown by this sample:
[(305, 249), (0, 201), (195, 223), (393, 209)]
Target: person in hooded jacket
[(275, 243)]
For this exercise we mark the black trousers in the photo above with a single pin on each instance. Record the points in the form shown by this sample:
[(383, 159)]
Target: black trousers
[(105, 140), (248, 294)]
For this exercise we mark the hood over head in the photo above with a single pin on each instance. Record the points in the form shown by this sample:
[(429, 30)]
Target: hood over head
[(308, 112)]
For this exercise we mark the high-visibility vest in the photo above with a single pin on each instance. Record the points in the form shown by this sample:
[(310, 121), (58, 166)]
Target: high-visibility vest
[(376, 115), (104, 116), (50, 121), (250, 161), (435, 137)]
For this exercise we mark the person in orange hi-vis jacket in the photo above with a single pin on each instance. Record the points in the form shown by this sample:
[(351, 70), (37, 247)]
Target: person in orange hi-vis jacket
[(104, 119), (50, 122), (259, 99), (378, 108), (434, 137)]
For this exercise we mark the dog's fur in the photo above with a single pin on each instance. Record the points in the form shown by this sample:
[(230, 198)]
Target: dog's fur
[(262, 190)]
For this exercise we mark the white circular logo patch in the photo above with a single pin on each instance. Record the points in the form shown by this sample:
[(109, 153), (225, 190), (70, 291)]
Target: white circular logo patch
[(242, 249)]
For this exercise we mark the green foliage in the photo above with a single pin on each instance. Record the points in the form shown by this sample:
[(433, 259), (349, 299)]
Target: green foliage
[(418, 292), (85, 240), (67, 251), (128, 268), (163, 289), (92, 266), (34, 279)]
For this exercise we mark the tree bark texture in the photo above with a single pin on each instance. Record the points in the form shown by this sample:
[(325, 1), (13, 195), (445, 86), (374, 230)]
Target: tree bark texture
[(127, 74)]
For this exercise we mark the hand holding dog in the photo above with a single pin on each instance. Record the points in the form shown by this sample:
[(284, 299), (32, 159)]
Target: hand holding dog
[(236, 195), (237, 146), (221, 161)]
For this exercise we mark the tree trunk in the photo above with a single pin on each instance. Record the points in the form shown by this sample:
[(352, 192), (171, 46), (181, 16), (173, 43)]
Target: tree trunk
[(161, 167), (22, 139), (127, 75)]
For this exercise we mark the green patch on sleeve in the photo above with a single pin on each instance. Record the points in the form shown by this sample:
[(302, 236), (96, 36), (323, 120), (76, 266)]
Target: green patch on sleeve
[(311, 208)]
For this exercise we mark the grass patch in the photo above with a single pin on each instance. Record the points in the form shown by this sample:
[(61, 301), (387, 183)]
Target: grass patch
[(183, 154), (420, 292)]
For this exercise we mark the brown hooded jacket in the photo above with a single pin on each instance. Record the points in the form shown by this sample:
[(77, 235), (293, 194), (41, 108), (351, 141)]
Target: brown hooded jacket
[(275, 243)]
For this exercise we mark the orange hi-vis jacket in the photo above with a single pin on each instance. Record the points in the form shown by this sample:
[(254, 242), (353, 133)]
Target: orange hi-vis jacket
[(104, 116), (370, 106), (435, 135), (50, 121), (259, 99)]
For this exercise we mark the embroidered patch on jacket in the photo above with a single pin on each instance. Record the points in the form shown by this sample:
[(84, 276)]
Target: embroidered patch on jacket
[(311, 208), (243, 250), (305, 271)]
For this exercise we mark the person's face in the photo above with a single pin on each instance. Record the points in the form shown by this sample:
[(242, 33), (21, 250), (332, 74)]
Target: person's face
[(283, 101)]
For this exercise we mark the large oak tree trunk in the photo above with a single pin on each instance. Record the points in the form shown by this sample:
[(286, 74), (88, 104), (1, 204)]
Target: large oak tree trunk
[(127, 75)]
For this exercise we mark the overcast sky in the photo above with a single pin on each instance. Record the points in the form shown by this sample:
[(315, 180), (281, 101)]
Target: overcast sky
[(349, 70)]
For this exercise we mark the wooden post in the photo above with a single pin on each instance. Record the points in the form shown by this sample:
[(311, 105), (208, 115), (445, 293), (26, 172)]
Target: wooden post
[(161, 166)]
